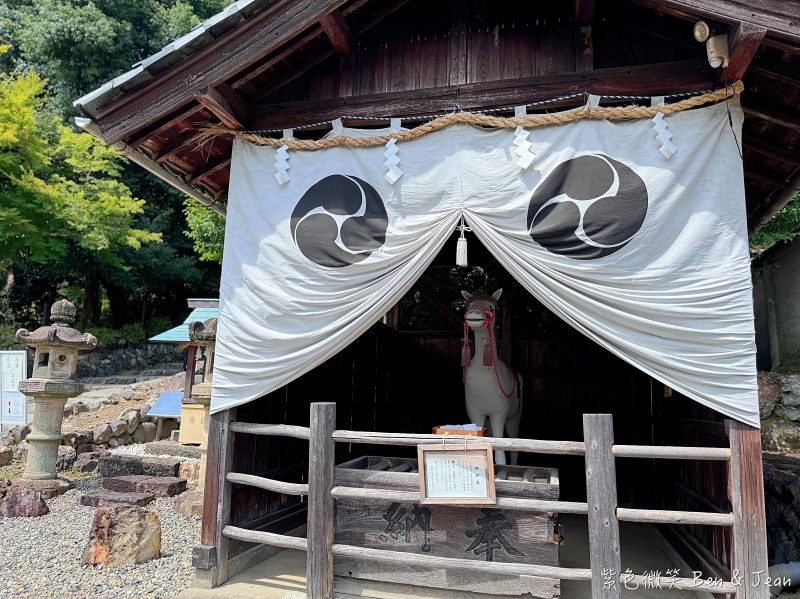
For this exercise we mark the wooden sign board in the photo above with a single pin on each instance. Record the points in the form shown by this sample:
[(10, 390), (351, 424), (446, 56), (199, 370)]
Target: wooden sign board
[(456, 474)]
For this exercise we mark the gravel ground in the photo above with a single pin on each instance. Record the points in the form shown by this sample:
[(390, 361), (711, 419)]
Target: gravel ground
[(40, 557)]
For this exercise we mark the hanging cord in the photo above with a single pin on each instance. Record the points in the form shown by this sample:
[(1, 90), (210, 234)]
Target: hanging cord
[(730, 121)]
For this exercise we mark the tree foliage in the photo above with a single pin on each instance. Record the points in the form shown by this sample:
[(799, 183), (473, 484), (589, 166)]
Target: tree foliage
[(784, 226), (206, 230)]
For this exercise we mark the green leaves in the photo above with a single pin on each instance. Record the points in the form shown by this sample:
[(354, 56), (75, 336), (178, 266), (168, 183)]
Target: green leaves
[(784, 226), (206, 230)]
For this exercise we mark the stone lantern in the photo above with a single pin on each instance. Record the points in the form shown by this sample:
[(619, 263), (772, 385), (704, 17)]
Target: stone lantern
[(204, 334), (54, 365)]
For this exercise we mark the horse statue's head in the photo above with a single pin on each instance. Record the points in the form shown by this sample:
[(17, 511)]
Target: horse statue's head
[(482, 308)]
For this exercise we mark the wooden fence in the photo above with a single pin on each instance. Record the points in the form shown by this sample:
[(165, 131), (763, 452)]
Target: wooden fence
[(746, 520)]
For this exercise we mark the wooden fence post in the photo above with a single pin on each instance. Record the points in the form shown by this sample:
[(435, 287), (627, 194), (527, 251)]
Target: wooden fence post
[(220, 462), (321, 459), (746, 493), (601, 495)]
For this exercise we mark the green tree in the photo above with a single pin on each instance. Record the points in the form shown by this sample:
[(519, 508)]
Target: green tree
[(784, 226), (206, 230)]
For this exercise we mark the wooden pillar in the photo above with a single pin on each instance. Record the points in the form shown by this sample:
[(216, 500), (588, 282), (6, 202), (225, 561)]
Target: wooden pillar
[(601, 495), (746, 494), (217, 496), (321, 458)]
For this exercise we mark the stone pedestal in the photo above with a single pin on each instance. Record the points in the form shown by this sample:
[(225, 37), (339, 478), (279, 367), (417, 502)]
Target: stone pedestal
[(57, 348)]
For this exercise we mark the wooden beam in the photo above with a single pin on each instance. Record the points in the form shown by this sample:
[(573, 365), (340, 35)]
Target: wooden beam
[(321, 460), (774, 116), (584, 51), (746, 494), (781, 18), (338, 32), (778, 72), (790, 156), (458, 43), (226, 105), (654, 79), (209, 67), (209, 169), (163, 125), (176, 145), (765, 179), (744, 39)]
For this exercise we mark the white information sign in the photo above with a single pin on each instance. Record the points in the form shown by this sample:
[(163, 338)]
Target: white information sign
[(457, 475), (13, 369)]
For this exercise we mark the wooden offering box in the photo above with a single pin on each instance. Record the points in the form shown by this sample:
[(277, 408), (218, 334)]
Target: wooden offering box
[(474, 533)]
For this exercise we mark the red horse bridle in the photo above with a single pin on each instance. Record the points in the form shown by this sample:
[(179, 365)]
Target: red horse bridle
[(489, 358)]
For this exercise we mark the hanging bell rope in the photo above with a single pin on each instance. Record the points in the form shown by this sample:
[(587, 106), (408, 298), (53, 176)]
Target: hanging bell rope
[(461, 246)]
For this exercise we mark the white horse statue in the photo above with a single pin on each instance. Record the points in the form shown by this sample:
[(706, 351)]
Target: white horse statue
[(491, 388)]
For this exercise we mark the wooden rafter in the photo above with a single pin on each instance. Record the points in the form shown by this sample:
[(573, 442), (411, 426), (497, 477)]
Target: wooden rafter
[(654, 79), (772, 151), (781, 18), (774, 116), (744, 39), (765, 179), (776, 71), (163, 125), (225, 104), (176, 145), (210, 66), (214, 165), (338, 31)]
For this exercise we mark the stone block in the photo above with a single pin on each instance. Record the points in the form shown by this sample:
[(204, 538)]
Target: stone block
[(191, 472), (101, 434), (20, 502), (131, 418), (107, 498), (144, 433), (122, 535), (91, 448), (77, 438), (160, 486), (66, 458), (118, 427), (190, 504), (143, 410), (88, 461), (173, 449), (117, 465), (779, 434), (167, 426), (6, 455)]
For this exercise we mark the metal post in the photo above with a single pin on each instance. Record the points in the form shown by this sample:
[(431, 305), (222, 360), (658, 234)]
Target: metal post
[(321, 458)]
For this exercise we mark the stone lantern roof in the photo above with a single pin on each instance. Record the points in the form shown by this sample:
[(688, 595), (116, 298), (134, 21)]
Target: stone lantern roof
[(203, 333), (60, 333)]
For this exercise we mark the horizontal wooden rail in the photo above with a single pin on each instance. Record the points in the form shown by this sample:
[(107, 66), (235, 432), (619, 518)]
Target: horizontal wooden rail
[(673, 517), (411, 559), (529, 445), (268, 484), (277, 430), (265, 538), (678, 584), (511, 503), (722, 454)]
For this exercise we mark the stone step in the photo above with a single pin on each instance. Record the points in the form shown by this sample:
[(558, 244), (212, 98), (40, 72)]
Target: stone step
[(120, 465), (107, 498), (172, 448), (160, 486)]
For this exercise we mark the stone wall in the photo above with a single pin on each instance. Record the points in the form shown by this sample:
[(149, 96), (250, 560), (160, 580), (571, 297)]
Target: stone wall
[(779, 403)]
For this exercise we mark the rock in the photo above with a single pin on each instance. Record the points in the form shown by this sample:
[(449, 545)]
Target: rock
[(127, 393), (101, 434), (172, 448), (68, 411), (790, 396), (144, 433), (5, 485), (779, 434), (88, 461), (191, 472), (143, 410), (769, 393), (20, 502), (108, 498), (80, 407), (190, 504), (66, 458), (117, 465), (118, 427), (115, 398), (77, 438), (6, 455), (122, 535), (160, 486), (90, 448), (7, 439), (131, 418), (21, 452), (125, 439)]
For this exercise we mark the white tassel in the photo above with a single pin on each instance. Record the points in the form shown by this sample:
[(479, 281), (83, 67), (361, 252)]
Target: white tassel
[(461, 245)]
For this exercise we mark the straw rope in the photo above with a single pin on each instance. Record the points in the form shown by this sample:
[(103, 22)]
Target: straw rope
[(614, 113)]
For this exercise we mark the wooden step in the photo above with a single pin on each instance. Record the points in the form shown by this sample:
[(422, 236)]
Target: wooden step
[(160, 486)]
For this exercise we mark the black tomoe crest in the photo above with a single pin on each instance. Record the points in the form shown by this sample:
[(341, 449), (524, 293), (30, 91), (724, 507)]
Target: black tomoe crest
[(587, 207), (339, 221)]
